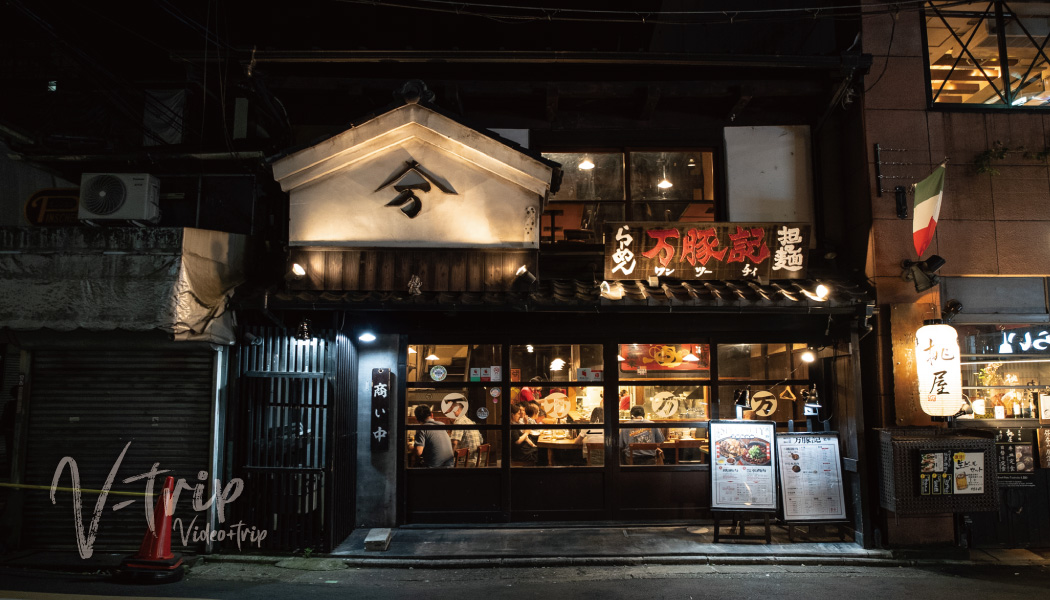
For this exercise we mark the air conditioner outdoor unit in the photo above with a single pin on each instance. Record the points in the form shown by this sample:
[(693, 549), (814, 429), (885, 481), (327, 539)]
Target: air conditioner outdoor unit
[(119, 197)]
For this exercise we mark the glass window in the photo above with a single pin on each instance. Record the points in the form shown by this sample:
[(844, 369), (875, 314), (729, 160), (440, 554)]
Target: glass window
[(769, 377), (440, 363), (554, 426), (966, 64), (664, 361), (553, 363), (483, 447), (664, 186), (1005, 370)]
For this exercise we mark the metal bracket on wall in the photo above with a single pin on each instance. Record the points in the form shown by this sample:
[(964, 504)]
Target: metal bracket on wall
[(878, 168)]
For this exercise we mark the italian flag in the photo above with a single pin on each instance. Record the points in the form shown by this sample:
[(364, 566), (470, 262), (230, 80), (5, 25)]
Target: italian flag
[(928, 193)]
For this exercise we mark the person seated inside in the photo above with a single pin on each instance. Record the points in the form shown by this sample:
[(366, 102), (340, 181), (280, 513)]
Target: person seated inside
[(640, 435), (594, 434), (523, 449), (532, 413), (433, 446)]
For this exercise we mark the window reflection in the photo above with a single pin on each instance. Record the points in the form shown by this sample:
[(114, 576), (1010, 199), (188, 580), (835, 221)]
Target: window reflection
[(963, 50)]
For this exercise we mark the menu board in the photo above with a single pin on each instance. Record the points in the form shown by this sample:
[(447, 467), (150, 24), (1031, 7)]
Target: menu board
[(1015, 457), (810, 477), (948, 472), (1043, 438), (743, 476)]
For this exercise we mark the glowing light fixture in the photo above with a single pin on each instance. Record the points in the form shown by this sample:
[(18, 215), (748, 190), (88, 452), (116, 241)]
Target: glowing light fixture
[(620, 358), (691, 357), (431, 356), (822, 292), (411, 350), (557, 364), (528, 348), (937, 362), (809, 356), (298, 270), (367, 336), (586, 165), (664, 184)]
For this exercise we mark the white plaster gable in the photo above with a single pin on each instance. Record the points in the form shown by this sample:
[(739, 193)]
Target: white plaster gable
[(335, 198)]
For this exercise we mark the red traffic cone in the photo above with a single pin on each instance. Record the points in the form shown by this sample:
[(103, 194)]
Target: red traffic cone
[(155, 562)]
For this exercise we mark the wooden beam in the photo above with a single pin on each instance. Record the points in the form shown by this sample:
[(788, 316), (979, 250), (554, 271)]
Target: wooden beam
[(652, 97)]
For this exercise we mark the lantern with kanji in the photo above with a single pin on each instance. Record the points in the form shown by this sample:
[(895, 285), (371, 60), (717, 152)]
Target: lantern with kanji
[(938, 366)]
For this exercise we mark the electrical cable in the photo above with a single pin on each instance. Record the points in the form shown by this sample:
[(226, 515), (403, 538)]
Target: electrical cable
[(886, 63)]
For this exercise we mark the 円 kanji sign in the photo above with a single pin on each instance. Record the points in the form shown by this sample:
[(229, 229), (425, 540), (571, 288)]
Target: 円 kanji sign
[(640, 250)]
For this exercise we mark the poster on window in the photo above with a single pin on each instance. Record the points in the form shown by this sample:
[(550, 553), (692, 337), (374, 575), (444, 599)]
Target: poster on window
[(810, 477), (712, 251), (743, 474)]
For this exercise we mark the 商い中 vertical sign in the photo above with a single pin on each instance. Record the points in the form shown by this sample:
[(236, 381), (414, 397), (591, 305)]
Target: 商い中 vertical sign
[(382, 388)]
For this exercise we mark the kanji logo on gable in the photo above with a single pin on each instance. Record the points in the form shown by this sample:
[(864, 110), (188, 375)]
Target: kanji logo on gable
[(408, 180)]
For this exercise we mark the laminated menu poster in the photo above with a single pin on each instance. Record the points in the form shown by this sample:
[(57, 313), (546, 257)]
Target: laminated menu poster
[(948, 472), (810, 477), (743, 476)]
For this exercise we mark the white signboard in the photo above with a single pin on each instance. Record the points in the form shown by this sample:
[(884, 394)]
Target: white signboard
[(743, 477), (810, 477)]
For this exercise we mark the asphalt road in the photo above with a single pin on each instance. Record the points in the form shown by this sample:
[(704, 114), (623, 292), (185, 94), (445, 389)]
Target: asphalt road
[(237, 581)]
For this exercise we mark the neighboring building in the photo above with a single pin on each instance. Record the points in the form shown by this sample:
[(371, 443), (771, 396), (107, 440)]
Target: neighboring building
[(666, 209), (966, 84)]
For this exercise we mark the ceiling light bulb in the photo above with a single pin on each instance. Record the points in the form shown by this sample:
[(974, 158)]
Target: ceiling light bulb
[(411, 350), (432, 357), (808, 356), (528, 348), (367, 337), (664, 184), (586, 165), (822, 292), (298, 270), (557, 364)]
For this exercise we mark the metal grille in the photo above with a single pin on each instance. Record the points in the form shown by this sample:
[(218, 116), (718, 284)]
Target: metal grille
[(282, 433)]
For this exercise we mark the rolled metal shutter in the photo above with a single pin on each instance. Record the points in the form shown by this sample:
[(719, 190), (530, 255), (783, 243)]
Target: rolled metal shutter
[(88, 404)]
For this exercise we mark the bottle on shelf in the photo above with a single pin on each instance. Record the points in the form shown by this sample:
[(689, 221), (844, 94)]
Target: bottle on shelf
[(981, 409), (999, 409), (1015, 404)]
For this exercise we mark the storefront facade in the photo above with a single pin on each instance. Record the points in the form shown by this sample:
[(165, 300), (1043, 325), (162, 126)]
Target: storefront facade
[(456, 312), (984, 272)]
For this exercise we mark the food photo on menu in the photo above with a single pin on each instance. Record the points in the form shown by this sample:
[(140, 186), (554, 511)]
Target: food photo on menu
[(742, 451)]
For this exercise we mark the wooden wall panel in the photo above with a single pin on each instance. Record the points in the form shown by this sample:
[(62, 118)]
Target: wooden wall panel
[(387, 270), (905, 320)]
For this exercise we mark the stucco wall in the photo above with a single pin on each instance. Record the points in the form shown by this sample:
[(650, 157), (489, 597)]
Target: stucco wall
[(376, 473)]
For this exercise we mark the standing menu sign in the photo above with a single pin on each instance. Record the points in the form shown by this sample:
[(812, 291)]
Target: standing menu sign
[(743, 477), (810, 477)]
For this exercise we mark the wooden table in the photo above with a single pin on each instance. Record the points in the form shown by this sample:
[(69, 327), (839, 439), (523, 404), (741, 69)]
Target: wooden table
[(551, 443)]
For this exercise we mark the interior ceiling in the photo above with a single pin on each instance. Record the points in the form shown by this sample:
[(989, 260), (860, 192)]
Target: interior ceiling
[(312, 66)]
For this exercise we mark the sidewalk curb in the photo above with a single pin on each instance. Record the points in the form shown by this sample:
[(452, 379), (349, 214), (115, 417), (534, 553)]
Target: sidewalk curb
[(594, 561)]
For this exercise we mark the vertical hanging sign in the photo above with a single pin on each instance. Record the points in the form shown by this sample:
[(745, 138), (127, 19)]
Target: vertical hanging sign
[(382, 388)]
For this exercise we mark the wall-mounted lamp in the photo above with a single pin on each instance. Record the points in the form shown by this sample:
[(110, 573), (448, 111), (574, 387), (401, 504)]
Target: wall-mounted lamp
[(523, 279), (808, 356), (951, 310), (302, 333), (296, 273), (921, 272)]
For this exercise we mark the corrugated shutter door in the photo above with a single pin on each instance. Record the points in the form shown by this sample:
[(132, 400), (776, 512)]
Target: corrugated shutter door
[(88, 404)]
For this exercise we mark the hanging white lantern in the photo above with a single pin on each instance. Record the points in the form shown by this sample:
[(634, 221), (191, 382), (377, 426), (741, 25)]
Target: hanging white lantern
[(938, 365)]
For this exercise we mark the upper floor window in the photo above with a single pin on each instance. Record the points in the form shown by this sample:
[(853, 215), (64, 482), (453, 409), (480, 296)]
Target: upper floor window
[(988, 53), (671, 186)]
